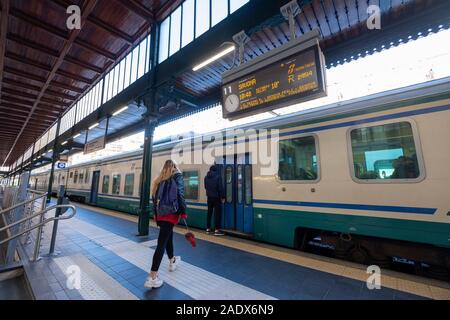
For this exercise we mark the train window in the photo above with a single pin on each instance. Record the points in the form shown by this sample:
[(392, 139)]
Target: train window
[(75, 177), (105, 186), (86, 177), (298, 159), (81, 178), (116, 184), (239, 183), (229, 183), (248, 185), (71, 175), (191, 182), (129, 184), (384, 152)]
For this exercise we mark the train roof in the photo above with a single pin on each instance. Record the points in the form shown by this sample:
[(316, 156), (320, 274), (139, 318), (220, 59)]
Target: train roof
[(432, 90)]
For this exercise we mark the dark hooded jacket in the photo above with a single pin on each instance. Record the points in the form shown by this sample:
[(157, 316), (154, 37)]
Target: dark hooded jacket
[(213, 184)]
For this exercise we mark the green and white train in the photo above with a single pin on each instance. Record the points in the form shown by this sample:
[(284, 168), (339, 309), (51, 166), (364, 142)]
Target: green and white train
[(369, 177)]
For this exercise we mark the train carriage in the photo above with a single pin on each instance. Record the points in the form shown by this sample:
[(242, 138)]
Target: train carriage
[(368, 177)]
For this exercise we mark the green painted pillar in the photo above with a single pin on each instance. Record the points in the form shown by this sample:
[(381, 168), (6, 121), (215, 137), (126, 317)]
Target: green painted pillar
[(54, 157), (144, 205)]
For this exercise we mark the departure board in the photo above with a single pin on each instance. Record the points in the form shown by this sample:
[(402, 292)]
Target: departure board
[(293, 79)]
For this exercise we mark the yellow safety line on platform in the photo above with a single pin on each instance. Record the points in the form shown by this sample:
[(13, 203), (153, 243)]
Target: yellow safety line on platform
[(425, 287)]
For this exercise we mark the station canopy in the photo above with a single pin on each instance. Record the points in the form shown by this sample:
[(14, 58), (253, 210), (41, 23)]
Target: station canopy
[(99, 76)]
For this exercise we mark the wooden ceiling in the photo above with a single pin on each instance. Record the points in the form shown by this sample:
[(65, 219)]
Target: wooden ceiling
[(339, 22), (44, 66)]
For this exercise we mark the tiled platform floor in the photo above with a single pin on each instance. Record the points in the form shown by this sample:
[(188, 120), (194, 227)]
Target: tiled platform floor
[(114, 263)]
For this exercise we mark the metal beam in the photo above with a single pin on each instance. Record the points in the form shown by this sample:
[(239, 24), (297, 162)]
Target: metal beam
[(23, 74), (45, 67), (3, 32), (115, 32), (73, 35), (99, 23), (83, 64), (246, 18), (36, 88), (66, 86), (50, 52), (33, 97), (60, 33), (139, 9)]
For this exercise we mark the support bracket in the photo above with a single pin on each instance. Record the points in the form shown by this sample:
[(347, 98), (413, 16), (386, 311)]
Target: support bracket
[(289, 11), (241, 39)]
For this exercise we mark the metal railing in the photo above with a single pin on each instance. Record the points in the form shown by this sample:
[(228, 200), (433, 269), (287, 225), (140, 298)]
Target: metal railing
[(34, 209)]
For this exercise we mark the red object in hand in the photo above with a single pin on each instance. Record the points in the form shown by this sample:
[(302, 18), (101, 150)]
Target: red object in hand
[(191, 238)]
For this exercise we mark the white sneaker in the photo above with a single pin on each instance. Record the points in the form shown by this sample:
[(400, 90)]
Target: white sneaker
[(174, 264), (153, 283)]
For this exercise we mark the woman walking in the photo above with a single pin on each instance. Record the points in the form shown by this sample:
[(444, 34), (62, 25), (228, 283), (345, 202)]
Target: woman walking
[(168, 207)]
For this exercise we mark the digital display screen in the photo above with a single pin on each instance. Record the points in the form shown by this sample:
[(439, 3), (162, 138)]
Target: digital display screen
[(289, 80)]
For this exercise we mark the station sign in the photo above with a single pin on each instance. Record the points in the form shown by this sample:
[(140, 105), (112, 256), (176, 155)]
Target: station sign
[(95, 145), (61, 165), (63, 157), (292, 73)]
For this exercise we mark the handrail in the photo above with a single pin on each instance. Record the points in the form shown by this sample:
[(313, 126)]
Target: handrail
[(37, 192), (74, 210), (22, 204)]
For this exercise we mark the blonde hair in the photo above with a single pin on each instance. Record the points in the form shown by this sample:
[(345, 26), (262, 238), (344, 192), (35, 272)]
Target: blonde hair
[(167, 171)]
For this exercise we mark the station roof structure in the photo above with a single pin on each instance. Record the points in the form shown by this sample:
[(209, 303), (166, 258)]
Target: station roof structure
[(125, 49)]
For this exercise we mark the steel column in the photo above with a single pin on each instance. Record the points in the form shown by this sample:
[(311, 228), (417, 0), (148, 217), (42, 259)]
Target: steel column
[(144, 204), (151, 120), (54, 156)]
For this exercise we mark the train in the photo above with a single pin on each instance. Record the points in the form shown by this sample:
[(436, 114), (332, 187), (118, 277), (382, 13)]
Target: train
[(368, 178)]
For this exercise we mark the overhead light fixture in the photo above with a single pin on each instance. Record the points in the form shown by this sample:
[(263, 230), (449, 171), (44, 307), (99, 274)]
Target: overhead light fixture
[(93, 126), (213, 58), (51, 150), (76, 136), (120, 111), (65, 142)]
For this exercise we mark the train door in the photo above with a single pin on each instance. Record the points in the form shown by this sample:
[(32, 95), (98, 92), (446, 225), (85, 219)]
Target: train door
[(238, 208), (35, 183), (94, 187)]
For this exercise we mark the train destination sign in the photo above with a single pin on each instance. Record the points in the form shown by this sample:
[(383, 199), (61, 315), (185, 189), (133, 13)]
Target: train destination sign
[(287, 75)]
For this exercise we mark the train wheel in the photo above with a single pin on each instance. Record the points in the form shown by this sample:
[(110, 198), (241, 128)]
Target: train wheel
[(438, 272), (359, 254), (380, 260)]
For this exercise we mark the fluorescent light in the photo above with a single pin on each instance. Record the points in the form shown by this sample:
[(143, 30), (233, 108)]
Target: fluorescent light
[(120, 110), (213, 58), (51, 150), (93, 126), (76, 136), (64, 143)]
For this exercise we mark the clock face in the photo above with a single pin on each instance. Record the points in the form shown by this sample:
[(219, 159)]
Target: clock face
[(232, 102)]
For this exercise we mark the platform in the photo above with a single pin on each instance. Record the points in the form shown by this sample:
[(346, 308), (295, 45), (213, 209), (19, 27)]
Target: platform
[(114, 263)]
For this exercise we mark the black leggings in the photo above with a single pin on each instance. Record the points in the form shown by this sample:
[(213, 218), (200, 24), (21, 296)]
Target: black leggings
[(165, 242), (215, 205)]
